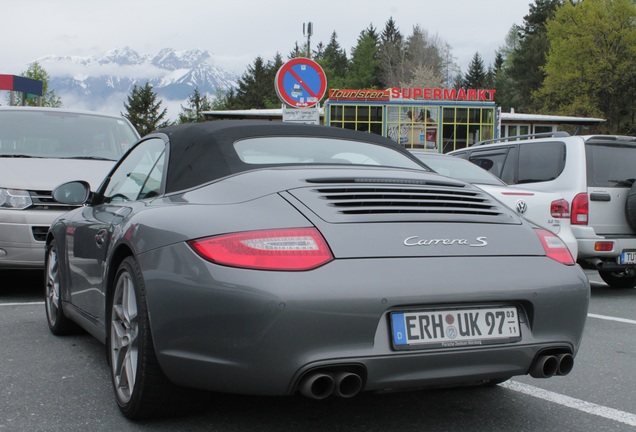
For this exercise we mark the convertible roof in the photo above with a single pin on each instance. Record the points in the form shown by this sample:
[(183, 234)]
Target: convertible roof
[(202, 152)]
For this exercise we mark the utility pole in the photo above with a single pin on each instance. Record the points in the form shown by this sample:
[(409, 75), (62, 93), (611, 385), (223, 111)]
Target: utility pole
[(308, 30)]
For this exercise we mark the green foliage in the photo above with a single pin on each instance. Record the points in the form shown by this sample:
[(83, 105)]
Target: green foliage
[(529, 56), (143, 111), (591, 66), (196, 105), (476, 76), (333, 60), (391, 55), (256, 87), (365, 65), (37, 72)]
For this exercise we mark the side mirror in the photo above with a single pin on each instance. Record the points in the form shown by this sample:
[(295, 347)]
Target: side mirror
[(72, 193)]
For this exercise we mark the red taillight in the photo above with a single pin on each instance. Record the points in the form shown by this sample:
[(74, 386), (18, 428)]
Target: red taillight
[(560, 209), (580, 210), (278, 249), (554, 247)]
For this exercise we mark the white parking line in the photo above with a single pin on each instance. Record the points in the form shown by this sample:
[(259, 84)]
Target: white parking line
[(609, 318), (586, 407), (21, 304)]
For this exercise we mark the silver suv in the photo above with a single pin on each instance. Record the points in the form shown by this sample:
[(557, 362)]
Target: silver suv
[(594, 173)]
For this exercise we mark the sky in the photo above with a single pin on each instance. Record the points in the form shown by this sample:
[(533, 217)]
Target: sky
[(235, 32)]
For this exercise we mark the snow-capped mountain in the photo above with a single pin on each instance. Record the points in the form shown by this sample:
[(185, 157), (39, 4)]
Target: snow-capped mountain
[(104, 83)]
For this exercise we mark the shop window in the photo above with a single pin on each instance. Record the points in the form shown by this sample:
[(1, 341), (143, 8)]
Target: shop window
[(414, 126), (366, 118)]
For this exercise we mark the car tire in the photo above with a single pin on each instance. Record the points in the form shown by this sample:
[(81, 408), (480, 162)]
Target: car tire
[(141, 389), (617, 279), (58, 323), (630, 207)]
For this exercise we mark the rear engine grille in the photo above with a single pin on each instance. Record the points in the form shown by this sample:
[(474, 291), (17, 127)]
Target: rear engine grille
[(43, 200), (397, 202), (374, 200)]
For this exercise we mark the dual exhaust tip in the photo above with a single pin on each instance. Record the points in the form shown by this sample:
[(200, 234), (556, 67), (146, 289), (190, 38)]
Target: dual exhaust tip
[(346, 384), (321, 385), (546, 366)]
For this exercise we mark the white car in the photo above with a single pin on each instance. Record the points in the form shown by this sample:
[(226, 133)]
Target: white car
[(546, 209), (41, 148)]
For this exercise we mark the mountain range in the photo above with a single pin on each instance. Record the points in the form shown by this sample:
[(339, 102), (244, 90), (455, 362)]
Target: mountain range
[(104, 83)]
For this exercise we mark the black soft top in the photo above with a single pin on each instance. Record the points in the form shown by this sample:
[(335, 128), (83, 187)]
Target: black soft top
[(203, 152)]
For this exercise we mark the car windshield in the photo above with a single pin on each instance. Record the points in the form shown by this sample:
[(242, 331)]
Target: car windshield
[(318, 150), (458, 168), (51, 134)]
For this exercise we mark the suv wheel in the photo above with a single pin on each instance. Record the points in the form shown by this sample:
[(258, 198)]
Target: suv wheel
[(618, 279)]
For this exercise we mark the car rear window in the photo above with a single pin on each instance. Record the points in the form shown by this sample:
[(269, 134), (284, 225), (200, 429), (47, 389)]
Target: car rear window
[(318, 150), (610, 164), (540, 161)]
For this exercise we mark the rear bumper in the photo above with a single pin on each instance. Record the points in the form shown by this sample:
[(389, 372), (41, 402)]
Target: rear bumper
[(258, 332), (587, 239)]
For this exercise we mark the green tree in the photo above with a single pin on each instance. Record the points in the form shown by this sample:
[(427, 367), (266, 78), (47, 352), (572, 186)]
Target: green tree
[(143, 110), (526, 66), (37, 72), (591, 67), (196, 105), (256, 87), (476, 75), (391, 55), (365, 65), (333, 60)]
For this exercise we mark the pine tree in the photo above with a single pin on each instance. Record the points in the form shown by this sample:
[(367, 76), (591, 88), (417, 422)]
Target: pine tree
[(333, 60), (365, 64), (391, 55), (196, 105), (476, 76), (143, 111)]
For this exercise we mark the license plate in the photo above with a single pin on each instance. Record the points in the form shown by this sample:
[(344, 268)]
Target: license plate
[(628, 257), (455, 327)]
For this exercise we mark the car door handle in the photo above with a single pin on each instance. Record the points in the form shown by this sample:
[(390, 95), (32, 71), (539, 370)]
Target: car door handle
[(599, 196), (100, 237)]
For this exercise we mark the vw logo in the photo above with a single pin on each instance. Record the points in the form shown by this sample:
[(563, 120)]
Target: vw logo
[(522, 207)]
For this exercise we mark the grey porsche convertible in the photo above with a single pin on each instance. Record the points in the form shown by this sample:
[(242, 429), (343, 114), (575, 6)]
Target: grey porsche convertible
[(266, 258)]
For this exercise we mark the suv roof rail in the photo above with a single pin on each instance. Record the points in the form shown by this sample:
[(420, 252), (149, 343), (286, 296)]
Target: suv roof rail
[(556, 134)]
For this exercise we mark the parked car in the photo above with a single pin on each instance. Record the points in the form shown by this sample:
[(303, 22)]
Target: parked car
[(270, 258), (546, 209), (595, 173), (39, 149)]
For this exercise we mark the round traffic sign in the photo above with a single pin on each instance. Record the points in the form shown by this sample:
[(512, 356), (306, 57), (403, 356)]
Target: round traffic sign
[(301, 83)]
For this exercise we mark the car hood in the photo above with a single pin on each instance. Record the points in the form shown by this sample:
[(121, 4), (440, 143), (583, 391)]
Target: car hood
[(45, 174)]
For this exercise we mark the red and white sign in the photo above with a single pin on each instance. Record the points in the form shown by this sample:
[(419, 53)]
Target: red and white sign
[(301, 83)]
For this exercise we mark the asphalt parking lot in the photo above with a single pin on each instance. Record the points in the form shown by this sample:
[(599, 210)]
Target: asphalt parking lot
[(62, 384)]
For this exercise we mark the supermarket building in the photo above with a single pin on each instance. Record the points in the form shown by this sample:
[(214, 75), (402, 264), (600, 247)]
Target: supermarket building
[(438, 119)]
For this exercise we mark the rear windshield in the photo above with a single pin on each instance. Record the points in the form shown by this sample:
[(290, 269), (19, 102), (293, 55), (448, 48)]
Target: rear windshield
[(610, 164), (52, 134), (318, 150)]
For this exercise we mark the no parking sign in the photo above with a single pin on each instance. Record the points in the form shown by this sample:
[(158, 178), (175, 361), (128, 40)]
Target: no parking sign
[(301, 83)]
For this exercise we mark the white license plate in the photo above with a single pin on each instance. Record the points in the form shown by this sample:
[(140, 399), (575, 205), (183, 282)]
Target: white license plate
[(628, 257), (455, 327)]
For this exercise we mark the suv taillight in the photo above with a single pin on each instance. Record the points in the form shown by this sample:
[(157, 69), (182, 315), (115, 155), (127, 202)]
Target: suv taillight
[(580, 210), (560, 209)]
